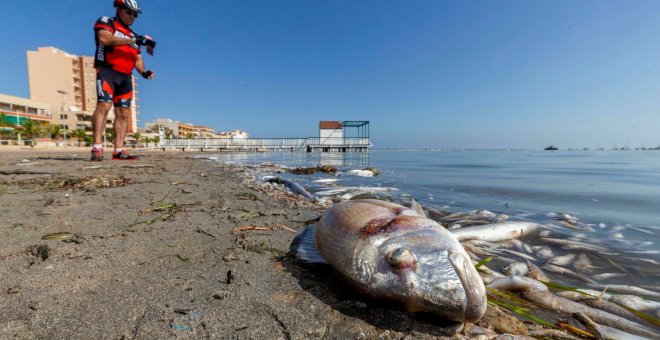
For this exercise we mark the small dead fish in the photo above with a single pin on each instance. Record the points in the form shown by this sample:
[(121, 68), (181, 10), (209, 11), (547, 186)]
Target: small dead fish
[(326, 180), (564, 217), (583, 263), (565, 271), (58, 236), (575, 244), (495, 232), (536, 273), (605, 276), (517, 268), (519, 254), (544, 252), (628, 290), (563, 260), (393, 253), (294, 187)]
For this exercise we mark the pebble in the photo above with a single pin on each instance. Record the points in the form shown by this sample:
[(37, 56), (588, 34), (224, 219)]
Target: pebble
[(222, 294)]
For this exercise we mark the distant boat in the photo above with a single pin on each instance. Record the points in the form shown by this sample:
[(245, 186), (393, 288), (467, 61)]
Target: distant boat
[(551, 147)]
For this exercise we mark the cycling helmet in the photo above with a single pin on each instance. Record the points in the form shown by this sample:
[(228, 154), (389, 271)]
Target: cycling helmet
[(128, 4)]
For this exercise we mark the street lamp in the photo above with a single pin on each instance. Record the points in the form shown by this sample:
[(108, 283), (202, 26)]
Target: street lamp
[(62, 93)]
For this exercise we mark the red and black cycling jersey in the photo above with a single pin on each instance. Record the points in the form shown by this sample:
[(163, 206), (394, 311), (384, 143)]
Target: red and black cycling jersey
[(119, 58)]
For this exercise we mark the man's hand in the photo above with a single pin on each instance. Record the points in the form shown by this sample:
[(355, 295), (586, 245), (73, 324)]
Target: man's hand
[(145, 40), (148, 74)]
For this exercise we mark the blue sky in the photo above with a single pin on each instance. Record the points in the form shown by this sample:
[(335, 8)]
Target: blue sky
[(471, 74)]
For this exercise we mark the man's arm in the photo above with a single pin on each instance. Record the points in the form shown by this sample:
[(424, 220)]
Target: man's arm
[(106, 38), (139, 66)]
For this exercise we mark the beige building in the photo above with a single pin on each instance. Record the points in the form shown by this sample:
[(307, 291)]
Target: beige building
[(18, 109), (181, 130), (235, 134), (68, 83)]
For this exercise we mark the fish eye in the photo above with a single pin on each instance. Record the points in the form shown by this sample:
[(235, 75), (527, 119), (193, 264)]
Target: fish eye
[(401, 258)]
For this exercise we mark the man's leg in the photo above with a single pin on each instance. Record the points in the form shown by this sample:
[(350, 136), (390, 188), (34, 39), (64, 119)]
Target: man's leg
[(98, 121), (98, 127), (122, 115)]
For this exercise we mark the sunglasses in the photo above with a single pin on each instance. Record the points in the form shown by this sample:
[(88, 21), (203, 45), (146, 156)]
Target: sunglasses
[(131, 13)]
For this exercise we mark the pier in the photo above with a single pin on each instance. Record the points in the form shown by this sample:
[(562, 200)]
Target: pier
[(333, 137), (328, 144)]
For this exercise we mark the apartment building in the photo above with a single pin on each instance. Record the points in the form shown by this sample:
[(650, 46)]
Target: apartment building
[(67, 83), (181, 130), (17, 110)]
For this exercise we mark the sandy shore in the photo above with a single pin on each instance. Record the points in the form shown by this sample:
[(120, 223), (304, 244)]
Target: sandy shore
[(163, 248)]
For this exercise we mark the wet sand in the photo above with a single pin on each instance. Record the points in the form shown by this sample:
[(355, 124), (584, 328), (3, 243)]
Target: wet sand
[(168, 246)]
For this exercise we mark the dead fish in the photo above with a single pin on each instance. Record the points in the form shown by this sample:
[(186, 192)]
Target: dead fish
[(569, 244), (495, 232), (562, 260), (58, 236), (565, 271), (564, 217), (628, 290), (515, 253), (517, 269), (536, 273), (583, 263), (294, 187), (605, 276), (543, 252), (326, 180), (392, 252)]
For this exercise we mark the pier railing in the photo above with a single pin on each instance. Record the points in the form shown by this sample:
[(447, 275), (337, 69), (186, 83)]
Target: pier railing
[(268, 143)]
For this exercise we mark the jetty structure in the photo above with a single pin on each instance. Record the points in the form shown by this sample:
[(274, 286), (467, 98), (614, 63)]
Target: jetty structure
[(334, 136)]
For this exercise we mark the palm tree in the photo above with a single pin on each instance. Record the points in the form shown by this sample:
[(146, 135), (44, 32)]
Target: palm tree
[(55, 131), (156, 140), (169, 133), (147, 140), (31, 128), (79, 134), (190, 135), (6, 127), (137, 137), (110, 135), (4, 121)]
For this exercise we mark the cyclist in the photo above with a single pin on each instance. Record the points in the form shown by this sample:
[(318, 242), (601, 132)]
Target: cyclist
[(117, 54)]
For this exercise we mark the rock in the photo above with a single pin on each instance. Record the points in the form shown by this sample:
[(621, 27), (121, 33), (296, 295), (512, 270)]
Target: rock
[(221, 294), (14, 289)]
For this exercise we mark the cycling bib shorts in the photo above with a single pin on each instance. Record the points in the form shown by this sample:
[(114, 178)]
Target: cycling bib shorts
[(114, 87)]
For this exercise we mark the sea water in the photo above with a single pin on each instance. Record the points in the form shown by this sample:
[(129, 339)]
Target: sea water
[(613, 195)]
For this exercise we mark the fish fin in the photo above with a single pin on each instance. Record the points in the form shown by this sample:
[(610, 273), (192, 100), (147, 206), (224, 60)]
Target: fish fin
[(418, 208), (307, 250)]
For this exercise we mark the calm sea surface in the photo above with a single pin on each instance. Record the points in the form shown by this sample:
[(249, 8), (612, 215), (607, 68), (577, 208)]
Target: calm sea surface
[(614, 195)]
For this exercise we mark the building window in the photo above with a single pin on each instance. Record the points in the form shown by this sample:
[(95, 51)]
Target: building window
[(64, 117)]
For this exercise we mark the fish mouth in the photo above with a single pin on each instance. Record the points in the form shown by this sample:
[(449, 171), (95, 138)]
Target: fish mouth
[(475, 292)]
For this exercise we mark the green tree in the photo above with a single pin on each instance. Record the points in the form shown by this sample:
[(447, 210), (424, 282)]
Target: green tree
[(55, 131), (31, 129), (4, 121), (110, 135), (137, 137), (79, 134), (190, 135), (169, 133), (156, 139)]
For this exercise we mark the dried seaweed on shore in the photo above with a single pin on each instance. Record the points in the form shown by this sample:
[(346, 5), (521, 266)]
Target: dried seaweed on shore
[(84, 183), (308, 171)]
